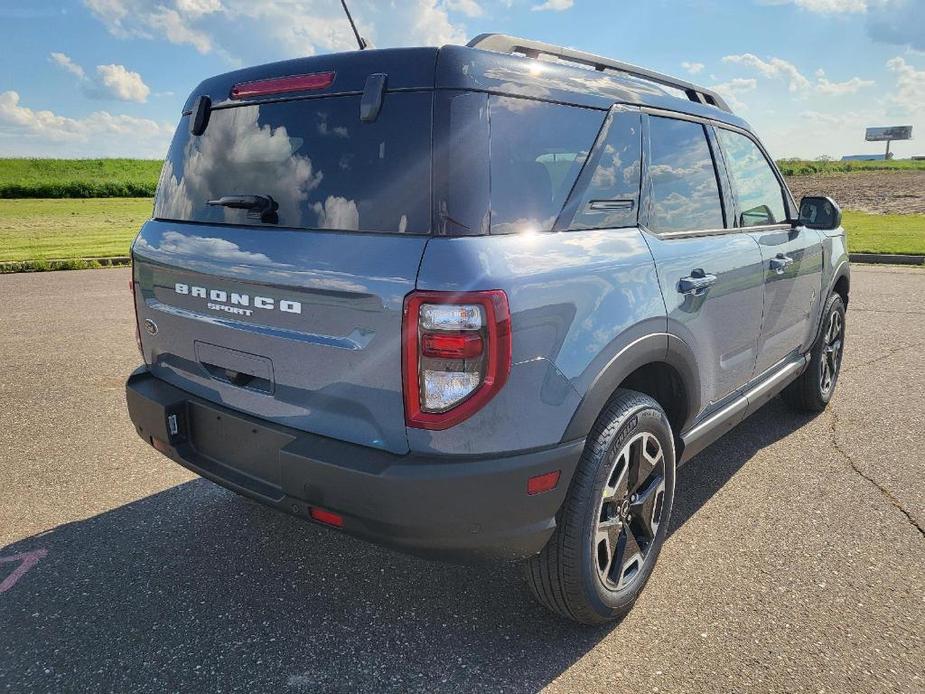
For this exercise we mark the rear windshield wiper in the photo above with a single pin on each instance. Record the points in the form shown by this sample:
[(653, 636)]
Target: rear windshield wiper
[(261, 207)]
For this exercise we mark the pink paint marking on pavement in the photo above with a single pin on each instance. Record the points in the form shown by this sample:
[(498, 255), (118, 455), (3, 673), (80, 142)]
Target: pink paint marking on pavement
[(27, 561)]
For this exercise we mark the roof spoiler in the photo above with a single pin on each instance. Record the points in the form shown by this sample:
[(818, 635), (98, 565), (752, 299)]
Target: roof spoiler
[(502, 43)]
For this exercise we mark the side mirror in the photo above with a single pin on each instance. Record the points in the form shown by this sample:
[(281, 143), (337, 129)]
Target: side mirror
[(819, 213)]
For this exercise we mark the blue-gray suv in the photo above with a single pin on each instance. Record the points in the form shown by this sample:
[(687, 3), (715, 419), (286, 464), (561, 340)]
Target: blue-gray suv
[(476, 301)]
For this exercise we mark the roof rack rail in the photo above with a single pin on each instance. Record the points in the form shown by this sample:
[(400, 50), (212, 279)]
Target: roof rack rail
[(502, 43)]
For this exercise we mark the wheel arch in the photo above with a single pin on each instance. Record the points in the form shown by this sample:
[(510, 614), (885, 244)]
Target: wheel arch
[(661, 366)]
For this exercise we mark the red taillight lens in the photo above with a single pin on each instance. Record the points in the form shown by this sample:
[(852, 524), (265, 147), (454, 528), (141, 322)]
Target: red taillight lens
[(456, 352), (458, 346), (283, 85), (327, 517)]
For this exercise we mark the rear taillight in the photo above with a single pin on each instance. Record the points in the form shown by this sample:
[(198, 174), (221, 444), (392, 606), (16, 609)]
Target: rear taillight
[(456, 354)]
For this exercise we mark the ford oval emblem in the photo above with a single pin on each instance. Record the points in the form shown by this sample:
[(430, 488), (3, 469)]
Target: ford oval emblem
[(150, 327)]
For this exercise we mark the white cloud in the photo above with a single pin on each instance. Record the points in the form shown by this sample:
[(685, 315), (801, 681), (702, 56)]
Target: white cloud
[(910, 86), (470, 8), (553, 6), (898, 22), (283, 28), (852, 86), (111, 81), (65, 62), (45, 133), (773, 68), (123, 84), (734, 88), (693, 68)]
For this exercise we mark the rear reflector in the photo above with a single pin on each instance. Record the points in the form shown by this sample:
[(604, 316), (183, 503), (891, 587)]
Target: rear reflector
[(458, 346), (327, 517), (283, 85), (543, 483), (160, 445)]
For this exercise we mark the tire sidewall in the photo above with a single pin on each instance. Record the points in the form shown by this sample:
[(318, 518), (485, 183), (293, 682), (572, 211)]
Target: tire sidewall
[(604, 601), (834, 303)]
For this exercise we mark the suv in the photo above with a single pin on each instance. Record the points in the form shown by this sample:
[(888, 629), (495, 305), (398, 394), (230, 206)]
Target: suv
[(476, 301)]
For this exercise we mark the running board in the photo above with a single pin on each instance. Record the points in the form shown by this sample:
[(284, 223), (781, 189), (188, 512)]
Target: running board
[(729, 416)]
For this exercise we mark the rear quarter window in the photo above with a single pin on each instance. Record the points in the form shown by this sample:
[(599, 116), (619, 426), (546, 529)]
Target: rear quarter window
[(537, 151), (324, 167)]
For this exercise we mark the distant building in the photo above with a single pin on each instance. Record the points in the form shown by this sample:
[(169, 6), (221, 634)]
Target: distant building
[(863, 157)]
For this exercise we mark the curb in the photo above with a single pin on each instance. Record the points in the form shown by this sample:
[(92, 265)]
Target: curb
[(886, 259), (63, 264)]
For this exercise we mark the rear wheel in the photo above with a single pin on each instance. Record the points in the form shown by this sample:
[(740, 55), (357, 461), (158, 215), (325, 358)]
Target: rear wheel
[(812, 391), (615, 517)]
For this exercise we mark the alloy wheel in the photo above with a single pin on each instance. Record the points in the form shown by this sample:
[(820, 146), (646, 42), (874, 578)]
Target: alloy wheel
[(630, 511), (831, 352)]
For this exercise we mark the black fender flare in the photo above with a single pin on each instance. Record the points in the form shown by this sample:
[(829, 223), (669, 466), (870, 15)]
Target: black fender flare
[(842, 271), (650, 349)]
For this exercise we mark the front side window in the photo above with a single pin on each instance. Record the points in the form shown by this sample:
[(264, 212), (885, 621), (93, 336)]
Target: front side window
[(684, 191), (537, 151), (611, 197), (759, 194)]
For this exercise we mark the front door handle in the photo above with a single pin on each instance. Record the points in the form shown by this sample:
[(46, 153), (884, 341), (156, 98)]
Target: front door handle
[(697, 283), (780, 263)]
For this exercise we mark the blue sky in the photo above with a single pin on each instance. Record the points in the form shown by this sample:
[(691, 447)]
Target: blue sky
[(108, 77)]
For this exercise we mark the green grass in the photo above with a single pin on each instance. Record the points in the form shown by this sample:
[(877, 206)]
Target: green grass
[(885, 233), (78, 178), (40, 230), (799, 167)]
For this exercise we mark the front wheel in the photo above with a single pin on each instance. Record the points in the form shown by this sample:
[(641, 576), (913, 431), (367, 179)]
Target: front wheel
[(613, 522), (812, 391)]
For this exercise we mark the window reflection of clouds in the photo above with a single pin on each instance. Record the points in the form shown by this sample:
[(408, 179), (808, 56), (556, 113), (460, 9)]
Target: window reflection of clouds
[(684, 189), (323, 168), (755, 184), (237, 155)]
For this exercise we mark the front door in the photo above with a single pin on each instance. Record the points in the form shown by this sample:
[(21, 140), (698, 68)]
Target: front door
[(791, 256)]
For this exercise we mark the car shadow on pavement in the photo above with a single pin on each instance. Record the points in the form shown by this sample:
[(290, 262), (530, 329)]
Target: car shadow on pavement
[(195, 588)]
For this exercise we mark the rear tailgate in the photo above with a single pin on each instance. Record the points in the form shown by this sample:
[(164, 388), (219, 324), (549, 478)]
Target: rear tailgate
[(290, 326), (291, 311)]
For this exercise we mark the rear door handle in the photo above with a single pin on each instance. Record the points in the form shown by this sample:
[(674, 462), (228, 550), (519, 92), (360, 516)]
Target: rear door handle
[(780, 263), (697, 283)]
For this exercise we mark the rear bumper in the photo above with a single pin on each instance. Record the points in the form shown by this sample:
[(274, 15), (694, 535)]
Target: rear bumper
[(453, 508)]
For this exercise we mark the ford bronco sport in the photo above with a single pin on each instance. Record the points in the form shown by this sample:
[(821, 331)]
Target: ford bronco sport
[(476, 301)]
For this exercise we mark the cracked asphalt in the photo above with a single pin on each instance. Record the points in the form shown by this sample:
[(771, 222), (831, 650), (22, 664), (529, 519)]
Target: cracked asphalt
[(796, 560)]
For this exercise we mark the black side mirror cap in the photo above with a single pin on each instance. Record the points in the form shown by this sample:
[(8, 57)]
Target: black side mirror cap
[(818, 212)]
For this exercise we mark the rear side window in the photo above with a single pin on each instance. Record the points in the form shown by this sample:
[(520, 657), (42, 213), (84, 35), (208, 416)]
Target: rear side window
[(759, 193), (685, 194), (611, 195), (537, 151), (322, 166)]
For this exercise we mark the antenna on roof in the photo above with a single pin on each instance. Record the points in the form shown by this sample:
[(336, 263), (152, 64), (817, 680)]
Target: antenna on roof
[(360, 40)]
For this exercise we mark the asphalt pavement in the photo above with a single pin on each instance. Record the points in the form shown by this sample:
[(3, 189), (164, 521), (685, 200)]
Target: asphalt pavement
[(796, 560)]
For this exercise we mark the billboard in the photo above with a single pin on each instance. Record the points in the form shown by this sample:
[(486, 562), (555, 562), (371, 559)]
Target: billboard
[(895, 132)]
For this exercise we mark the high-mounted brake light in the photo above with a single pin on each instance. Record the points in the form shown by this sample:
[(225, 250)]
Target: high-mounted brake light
[(456, 354), (283, 85)]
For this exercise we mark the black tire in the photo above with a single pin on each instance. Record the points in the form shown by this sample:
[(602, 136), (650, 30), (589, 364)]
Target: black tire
[(812, 391), (583, 571)]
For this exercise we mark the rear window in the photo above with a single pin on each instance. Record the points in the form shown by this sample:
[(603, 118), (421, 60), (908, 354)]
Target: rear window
[(322, 166), (537, 151)]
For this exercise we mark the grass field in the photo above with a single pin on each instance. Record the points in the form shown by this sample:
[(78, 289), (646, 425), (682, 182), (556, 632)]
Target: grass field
[(39, 230), (801, 167), (885, 233), (78, 178)]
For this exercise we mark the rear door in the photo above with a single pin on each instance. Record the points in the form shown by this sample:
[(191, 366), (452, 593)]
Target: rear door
[(291, 314), (792, 256), (710, 273)]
